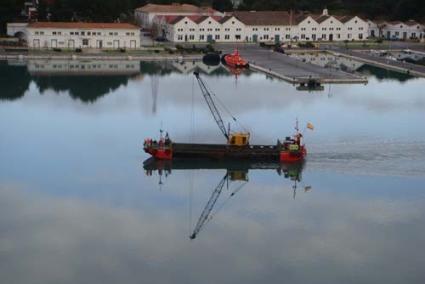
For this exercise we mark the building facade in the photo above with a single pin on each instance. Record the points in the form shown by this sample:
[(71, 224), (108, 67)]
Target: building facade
[(396, 30), (72, 35), (263, 26)]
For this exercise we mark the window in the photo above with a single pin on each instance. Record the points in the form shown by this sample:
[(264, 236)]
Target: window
[(217, 30), (266, 36), (233, 22), (127, 34), (217, 37), (179, 37), (41, 33), (85, 41), (201, 37), (110, 33), (36, 33), (201, 30), (237, 37), (54, 33), (191, 37), (82, 33), (88, 33), (266, 29), (349, 36), (209, 22), (226, 36), (115, 33), (302, 36), (323, 36), (308, 22), (288, 36), (238, 29), (360, 36), (99, 33), (76, 33), (323, 29), (277, 29), (185, 22)]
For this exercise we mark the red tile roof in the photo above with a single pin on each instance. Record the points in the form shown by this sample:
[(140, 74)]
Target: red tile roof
[(263, 18), (175, 8), (82, 25)]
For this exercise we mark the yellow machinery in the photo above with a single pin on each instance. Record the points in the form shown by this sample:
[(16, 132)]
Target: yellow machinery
[(239, 138)]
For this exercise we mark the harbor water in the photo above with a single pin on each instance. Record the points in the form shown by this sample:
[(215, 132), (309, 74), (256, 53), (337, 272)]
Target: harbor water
[(78, 204)]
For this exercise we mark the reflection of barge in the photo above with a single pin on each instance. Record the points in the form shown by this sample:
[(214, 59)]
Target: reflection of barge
[(237, 147)]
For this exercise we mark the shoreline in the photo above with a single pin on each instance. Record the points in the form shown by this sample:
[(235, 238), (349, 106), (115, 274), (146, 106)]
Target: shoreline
[(74, 56)]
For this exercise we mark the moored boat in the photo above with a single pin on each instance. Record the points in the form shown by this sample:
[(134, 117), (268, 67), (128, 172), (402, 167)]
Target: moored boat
[(235, 60), (291, 149)]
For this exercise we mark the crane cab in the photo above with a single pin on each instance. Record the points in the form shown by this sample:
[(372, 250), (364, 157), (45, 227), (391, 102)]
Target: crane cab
[(239, 139)]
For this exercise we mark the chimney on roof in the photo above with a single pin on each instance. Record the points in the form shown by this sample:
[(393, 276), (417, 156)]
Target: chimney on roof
[(325, 12)]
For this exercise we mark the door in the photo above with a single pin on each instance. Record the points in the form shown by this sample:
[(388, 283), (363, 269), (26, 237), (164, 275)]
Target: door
[(99, 44), (116, 44), (313, 37), (185, 37), (54, 43), (255, 38), (36, 43), (372, 33), (277, 39), (404, 35), (132, 44), (209, 38), (71, 44), (331, 37), (388, 35)]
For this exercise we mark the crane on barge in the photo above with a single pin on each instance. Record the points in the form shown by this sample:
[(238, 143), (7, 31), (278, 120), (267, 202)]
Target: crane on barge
[(237, 146), (236, 138)]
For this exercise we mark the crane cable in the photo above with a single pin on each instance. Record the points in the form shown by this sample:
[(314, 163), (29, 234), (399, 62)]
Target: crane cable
[(225, 108)]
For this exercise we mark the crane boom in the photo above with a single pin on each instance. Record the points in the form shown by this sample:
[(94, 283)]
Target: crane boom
[(208, 208), (210, 102)]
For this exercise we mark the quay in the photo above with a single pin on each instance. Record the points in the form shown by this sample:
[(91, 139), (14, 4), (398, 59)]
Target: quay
[(365, 57), (294, 71)]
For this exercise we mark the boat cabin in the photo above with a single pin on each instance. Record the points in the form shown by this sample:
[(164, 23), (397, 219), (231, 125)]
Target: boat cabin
[(239, 139)]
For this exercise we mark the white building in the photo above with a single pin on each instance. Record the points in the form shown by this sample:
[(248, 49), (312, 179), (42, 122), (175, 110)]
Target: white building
[(71, 35), (144, 15), (402, 30), (263, 26)]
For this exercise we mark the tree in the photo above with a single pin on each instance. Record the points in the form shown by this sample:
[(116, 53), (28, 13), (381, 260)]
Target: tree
[(222, 5)]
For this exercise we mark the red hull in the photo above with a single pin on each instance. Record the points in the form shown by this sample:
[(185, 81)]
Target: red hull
[(224, 152), (288, 157)]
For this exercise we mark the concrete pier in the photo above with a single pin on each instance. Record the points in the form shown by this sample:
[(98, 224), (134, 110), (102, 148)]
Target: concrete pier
[(364, 56), (292, 70)]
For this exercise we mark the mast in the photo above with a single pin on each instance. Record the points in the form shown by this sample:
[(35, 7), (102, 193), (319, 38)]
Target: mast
[(211, 105)]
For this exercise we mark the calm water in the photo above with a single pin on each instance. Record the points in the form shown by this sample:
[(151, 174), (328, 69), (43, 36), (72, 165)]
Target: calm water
[(77, 205)]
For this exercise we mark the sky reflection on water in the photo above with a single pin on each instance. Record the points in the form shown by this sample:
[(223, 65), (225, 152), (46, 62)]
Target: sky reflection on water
[(78, 207)]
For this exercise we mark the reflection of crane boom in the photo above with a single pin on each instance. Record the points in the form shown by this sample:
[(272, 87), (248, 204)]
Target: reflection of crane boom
[(213, 108), (208, 208), (154, 86)]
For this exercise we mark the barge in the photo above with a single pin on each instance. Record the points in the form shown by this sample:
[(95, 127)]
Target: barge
[(291, 149)]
